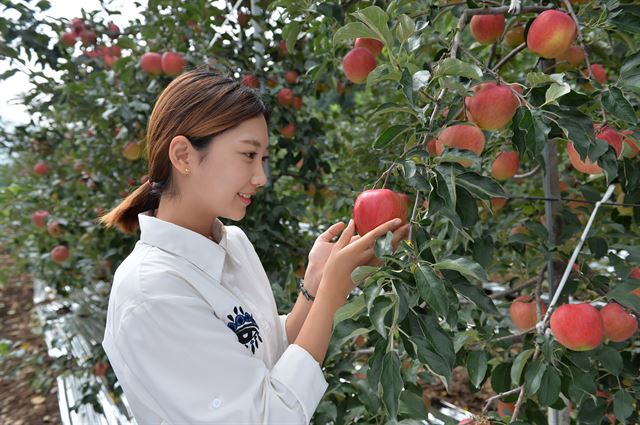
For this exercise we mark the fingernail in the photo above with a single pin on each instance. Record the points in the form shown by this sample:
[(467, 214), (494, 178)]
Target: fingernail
[(350, 222)]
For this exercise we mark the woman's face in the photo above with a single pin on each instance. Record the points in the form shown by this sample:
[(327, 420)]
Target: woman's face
[(234, 165)]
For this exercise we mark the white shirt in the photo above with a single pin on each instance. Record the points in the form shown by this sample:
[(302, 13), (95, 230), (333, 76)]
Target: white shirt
[(194, 337)]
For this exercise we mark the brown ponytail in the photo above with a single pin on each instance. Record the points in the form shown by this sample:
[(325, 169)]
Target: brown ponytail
[(199, 105)]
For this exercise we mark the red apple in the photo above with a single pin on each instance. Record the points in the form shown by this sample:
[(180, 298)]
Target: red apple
[(151, 63), (77, 26), (631, 147), (250, 81), (574, 56), (282, 48), (523, 312), (371, 44), (505, 409), (132, 150), (243, 19), (585, 166), (285, 97), (612, 137), (68, 38), (60, 254), (505, 165), (434, 147), (492, 105), (115, 51), (291, 77), (498, 203), (578, 327), (54, 229), (39, 218), (486, 29), (288, 131), (618, 324), (172, 63), (113, 31), (100, 368), (597, 72), (357, 64), (297, 102), (377, 206), (88, 38), (41, 168), (551, 33), (463, 136)]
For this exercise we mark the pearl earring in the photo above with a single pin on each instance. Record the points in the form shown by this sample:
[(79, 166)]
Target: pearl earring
[(186, 170)]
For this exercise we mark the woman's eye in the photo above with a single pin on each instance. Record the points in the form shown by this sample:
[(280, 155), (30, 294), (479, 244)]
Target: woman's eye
[(251, 154)]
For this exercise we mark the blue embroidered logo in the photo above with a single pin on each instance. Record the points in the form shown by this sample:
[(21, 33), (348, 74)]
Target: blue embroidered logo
[(245, 327)]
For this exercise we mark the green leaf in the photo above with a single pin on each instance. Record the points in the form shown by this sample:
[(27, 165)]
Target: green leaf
[(500, 381), (383, 72), (431, 289), (618, 105), (621, 293), (455, 67), (533, 376), (392, 380), (477, 296), (350, 310), (610, 359), (480, 186), (555, 91), (420, 80), (360, 274), (537, 79), (407, 85), (388, 108), (354, 30), (529, 132), (376, 19), (375, 364), (406, 28), (464, 266), (549, 387), (378, 312), (477, 366), (290, 35), (578, 127), (383, 246), (412, 404), (389, 134), (518, 365), (630, 73), (622, 404), (598, 246)]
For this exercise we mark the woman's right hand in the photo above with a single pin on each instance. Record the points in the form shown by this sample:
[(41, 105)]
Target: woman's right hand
[(352, 251)]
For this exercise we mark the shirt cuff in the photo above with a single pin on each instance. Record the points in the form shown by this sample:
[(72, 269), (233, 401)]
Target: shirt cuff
[(302, 375), (283, 322)]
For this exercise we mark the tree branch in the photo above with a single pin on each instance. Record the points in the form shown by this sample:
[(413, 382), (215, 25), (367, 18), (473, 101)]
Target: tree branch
[(509, 56)]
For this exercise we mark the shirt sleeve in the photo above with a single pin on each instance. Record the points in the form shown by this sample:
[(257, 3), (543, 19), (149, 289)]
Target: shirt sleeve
[(283, 322), (194, 370)]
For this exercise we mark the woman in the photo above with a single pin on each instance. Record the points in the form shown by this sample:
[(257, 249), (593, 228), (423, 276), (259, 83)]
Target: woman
[(193, 334)]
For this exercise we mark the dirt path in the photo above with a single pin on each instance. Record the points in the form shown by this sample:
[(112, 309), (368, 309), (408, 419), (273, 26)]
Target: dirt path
[(21, 351)]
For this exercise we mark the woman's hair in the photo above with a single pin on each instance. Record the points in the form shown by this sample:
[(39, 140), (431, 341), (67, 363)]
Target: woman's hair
[(198, 105)]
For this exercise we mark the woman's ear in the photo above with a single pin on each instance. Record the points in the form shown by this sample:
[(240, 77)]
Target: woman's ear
[(181, 154)]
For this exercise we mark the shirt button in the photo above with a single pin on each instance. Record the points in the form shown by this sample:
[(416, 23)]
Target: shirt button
[(216, 403)]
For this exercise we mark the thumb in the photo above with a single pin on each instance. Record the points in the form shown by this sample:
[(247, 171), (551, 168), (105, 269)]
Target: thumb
[(346, 235)]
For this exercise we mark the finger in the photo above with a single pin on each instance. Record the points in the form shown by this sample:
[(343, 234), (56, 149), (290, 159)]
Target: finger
[(382, 229), (346, 235), (354, 238), (400, 234), (333, 231)]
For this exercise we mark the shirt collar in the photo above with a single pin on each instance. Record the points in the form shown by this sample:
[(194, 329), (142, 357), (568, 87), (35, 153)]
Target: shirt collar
[(192, 246)]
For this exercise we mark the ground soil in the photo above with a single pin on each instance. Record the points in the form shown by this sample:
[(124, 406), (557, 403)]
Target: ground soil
[(19, 403)]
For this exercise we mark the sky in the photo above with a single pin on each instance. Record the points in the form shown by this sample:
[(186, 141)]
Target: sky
[(12, 114)]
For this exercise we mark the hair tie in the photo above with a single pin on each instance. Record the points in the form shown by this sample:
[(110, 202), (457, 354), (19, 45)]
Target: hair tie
[(150, 183)]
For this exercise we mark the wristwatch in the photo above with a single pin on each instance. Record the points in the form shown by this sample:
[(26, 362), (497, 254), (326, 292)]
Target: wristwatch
[(306, 293)]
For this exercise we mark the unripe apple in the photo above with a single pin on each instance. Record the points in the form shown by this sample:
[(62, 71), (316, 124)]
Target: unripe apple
[(172, 63), (285, 97), (523, 312), (288, 131), (515, 36), (618, 324), (297, 102), (132, 150), (377, 206), (68, 38), (357, 64), (505, 165), (486, 29), (491, 106), (250, 81), (291, 77), (39, 217), (151, 63), (463, 136), (371, 44), (505, 409), (597, 72), (434, 147), (574, 56), (60, 254), (54, 229), (551, 33), (578, 327), (41, 168), (585, 166)]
